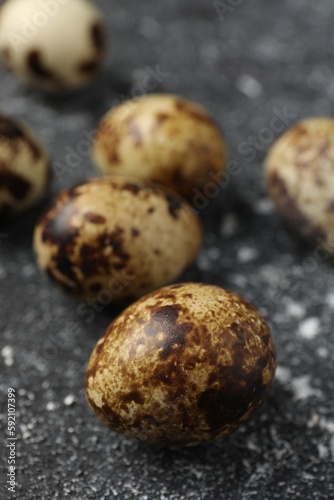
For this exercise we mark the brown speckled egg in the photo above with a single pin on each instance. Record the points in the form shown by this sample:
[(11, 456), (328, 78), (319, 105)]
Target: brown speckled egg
[(116, 237), (24, 167), (187, 364), (163, 138), (54, 46), (300, 178)]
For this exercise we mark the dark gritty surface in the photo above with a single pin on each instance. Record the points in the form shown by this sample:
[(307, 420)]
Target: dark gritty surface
[(262, 60)]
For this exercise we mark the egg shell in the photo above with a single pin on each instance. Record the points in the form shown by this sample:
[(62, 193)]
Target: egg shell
[(24, 167), (54, 46), (184, 365), (114, 238), (299, 173), (164, 138)]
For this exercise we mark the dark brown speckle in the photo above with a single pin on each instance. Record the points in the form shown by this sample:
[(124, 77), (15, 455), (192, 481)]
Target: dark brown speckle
[(94, 218), (15, 134), (15, 185), (193, 112), (89, 66), (36, 66), (174, 205), (98, 36), (135, 232)]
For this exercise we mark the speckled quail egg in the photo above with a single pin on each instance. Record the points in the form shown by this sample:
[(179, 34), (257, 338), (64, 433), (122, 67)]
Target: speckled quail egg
[(164, 138), (117, 238), (24, 167), (300, 178), (187, 364), (55, 45)]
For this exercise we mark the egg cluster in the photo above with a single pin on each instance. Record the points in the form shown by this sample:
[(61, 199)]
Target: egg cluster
[(186, 363)]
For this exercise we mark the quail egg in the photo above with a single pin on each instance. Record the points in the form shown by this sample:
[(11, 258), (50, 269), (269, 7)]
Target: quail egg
[(164, 138), (116, 238), (24, 167), (300, 178), (185, 365), (53, 45)]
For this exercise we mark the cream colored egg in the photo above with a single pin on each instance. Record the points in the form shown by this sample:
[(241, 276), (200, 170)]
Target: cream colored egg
[(116, 238), (300, 178), (54, 45), (163, 138), (24, 167), (187, 364)]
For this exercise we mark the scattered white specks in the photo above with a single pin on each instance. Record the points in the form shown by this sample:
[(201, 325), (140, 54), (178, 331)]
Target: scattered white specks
[(323, 451), (69, 400), (229, 225), (25, 432), (197, 473), (328, 425), (246, 463), (307, 476), (252, 446), (8, 355), (238, 279), (208, 257), (264, 207), (249, 86), (149, 28), (309, 328), (214, 253), (313, 420), (28, 271), (302, 389), (75, 440), (330, 300), (203, 261), (271, 274), (51, 406), (283, 374), (295, 310), (246, 255), (26, 394), (322, 352)]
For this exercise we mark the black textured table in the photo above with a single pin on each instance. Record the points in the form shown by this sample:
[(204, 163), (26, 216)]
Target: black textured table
[(247, 64)]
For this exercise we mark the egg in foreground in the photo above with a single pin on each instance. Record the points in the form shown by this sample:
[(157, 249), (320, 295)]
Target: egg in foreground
[(54, 46), (24, 167), (300, 179), (163, 138), (185, 365), (112, 239)]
